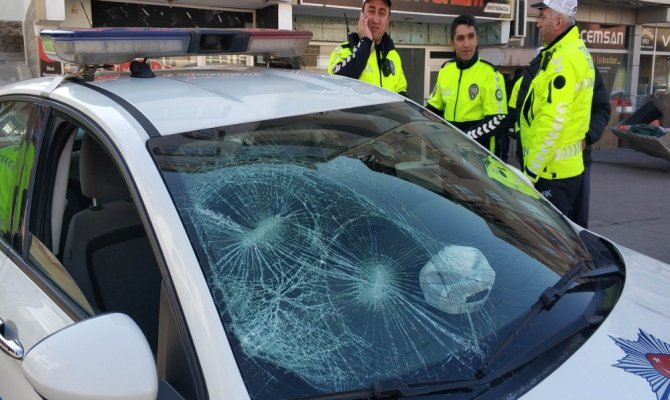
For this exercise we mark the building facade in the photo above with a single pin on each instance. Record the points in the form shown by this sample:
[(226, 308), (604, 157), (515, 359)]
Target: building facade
[(630, 41)]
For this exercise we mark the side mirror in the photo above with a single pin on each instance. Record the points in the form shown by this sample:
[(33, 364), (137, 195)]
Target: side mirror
[(105, 357)]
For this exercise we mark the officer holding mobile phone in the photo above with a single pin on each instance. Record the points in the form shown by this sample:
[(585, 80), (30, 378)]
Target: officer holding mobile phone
[(369, 54)]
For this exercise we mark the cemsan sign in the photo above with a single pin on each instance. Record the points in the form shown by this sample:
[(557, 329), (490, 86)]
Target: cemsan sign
[(597, 36)]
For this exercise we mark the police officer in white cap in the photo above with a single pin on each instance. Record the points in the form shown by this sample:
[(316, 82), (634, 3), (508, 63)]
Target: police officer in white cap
[(369, 54), (556, 110)]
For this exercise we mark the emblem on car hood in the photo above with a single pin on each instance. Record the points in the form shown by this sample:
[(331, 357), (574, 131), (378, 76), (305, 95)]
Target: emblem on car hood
[(649, 358)]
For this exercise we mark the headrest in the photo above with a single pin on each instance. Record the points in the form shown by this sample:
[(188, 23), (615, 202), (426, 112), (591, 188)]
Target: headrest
[(100, 178)]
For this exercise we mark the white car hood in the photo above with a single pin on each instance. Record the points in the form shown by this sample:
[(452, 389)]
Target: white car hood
[(628, 357)]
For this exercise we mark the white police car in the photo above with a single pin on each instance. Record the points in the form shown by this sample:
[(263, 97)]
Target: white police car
[(252, 233)]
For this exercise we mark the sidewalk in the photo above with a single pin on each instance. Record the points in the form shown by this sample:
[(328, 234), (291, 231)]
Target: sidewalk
[(630, 200)]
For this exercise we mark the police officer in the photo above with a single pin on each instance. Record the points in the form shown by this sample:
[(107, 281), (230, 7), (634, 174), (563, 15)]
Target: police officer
[(557, 108), (369, 54), (469, 91)]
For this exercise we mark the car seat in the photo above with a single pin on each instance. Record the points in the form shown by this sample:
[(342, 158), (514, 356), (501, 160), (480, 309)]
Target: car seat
[(106, 250)]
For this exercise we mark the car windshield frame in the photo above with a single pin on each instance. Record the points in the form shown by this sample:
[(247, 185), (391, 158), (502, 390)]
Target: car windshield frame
[(351, 246)]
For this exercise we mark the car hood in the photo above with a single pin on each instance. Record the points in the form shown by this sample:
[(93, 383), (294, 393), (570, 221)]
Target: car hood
[(628, 357)]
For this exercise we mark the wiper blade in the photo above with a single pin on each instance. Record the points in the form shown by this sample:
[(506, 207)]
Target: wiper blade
[(394, 389), (547, 299), (375, 392), (346, 395)]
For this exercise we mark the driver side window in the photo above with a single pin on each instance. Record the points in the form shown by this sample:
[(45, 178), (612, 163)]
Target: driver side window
[(87, 237), (16, 158)]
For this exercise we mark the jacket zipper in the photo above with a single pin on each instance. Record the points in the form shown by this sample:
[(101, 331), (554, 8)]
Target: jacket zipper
[(379, 67), (458, 92)]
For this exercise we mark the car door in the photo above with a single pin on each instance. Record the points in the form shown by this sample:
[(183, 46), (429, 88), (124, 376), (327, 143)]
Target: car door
[(74, 247), (28, 315)]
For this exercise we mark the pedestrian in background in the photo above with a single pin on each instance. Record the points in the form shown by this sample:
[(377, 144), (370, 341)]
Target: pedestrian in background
[(556, 111), (601, 109), (369, 54), (470, 92)]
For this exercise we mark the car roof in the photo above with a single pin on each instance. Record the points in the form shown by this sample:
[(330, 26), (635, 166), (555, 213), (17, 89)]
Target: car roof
[(184, 100)]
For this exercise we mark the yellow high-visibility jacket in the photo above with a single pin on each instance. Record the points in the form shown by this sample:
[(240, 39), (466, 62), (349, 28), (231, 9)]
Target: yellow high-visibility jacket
[(471, 95), (382, 67), (556, 110)]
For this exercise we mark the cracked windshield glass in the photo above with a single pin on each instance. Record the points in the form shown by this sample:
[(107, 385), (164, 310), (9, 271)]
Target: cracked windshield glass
[(358, 245)]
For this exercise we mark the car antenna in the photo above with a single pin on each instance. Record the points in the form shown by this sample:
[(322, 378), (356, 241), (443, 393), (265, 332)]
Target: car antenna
[(141, 69)]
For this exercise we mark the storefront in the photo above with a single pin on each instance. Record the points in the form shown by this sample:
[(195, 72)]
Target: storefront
[(420, 31), (654, 61), (609, 48)]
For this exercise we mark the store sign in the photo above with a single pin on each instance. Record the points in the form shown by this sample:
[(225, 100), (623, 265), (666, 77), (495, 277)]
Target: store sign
[(597, 36), (498, 10), (647, 39), (662, 39), (655, 38)]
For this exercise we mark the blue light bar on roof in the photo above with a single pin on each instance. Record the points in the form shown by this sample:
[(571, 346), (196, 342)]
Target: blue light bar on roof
[(99, 46)]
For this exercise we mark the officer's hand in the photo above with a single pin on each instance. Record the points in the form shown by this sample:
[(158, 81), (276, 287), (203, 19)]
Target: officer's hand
[(363, 28)]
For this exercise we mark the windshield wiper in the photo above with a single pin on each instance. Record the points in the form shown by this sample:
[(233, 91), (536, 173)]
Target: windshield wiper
[(395, 389), (547, 300)]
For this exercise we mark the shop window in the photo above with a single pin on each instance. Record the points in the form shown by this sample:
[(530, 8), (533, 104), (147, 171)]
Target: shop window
[(644, 81), (661, 74), (532, 39)]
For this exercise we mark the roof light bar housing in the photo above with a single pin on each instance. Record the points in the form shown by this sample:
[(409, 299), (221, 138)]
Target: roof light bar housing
[(100, 46)]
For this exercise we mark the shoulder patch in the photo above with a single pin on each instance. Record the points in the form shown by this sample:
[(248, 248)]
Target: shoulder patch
[(559, 82), (499, 94), (473, 91)]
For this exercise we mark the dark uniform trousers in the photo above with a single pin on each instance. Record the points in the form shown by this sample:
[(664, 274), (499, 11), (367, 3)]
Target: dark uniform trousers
[(562, 193), (582, 202)]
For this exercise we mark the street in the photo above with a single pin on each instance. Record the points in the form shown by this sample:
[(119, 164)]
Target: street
[(630, 200)]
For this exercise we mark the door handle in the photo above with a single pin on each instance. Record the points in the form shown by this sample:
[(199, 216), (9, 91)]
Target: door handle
[(12, 347)]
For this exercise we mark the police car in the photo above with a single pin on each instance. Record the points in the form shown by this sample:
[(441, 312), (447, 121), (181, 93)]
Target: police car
[(257, 233)]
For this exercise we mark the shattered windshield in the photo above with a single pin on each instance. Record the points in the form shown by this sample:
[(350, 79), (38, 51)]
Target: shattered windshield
[(351, 246)]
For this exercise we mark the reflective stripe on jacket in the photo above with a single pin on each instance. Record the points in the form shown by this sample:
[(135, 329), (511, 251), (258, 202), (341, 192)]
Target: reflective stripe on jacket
[(356, 59), (555, 114), (468, 93)]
